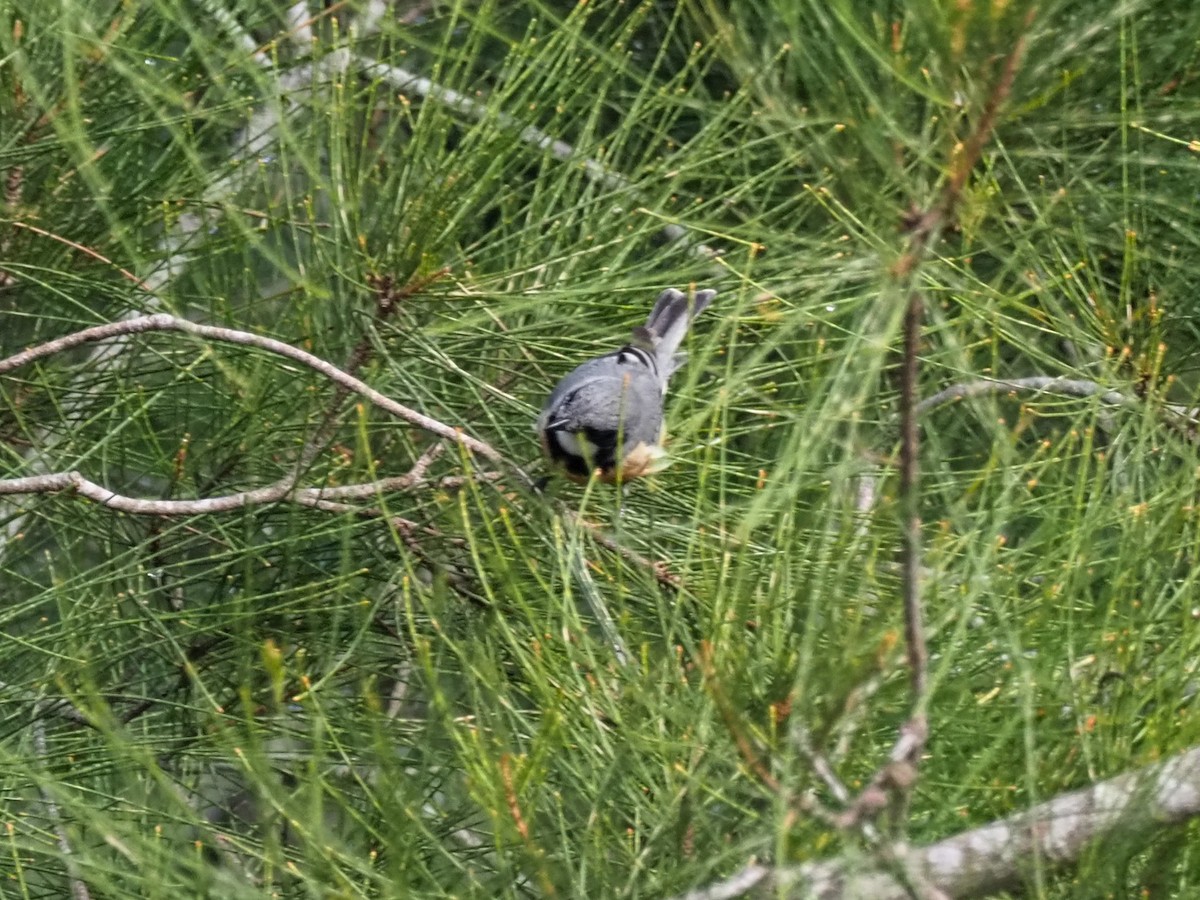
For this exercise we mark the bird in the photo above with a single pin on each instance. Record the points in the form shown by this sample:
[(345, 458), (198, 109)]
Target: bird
[(605, 418)]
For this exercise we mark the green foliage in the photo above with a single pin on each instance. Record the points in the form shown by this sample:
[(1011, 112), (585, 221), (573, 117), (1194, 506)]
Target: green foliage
[(289, 701)]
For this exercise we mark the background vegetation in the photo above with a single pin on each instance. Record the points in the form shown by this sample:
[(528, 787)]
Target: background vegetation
[(421, 700)]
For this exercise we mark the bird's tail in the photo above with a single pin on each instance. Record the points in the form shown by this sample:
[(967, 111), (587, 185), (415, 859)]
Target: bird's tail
[(668, 323)]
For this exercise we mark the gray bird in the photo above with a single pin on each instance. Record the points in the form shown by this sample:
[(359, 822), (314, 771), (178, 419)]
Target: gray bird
[(617, 399)]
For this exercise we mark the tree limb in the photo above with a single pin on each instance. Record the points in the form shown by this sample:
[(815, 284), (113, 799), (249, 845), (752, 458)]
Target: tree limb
[(166, 322), (998, 856)]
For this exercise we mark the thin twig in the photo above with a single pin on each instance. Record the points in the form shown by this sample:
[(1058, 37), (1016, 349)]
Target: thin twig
[(824, 771), (854, 712), (893, 782), (79, 890), (910, 503), (386, 300), (975, 143), (1184, 420), (1073, 387), (819, 764), (59, 708), (87, 251), (192, 655), (661, 571), (404, 80), (749, 753), (595, 603), (408, 532)]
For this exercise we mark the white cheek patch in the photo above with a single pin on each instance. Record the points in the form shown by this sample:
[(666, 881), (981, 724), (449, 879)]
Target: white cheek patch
[(570, 444)]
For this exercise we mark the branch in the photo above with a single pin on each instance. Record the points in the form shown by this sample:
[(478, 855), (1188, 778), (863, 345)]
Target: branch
[(910, 528), (893, 782), (595, 603), (60, 708), (404, 80), (1182, 419), (79, 888), (754, 875), (1072, 387), (661, 571), (754, 761), (999, 856), (283, 489), (174, 251), (165, 322)]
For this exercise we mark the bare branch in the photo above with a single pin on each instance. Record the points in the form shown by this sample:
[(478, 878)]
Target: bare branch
[(660, 570), (281, 490), (1057, 832), (1000, 855), (595, 603), (165, 322), (820, 765), (910, 527), (59, 708), (404, 80), (1047, 384), (1184, 420), (892, 784), (751, 877), (79, 888), (750, 754)]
